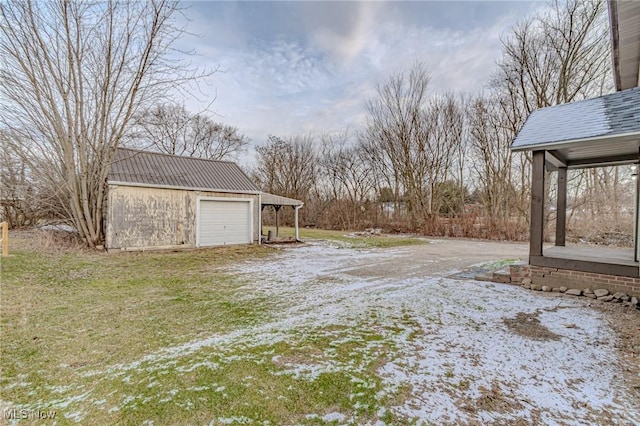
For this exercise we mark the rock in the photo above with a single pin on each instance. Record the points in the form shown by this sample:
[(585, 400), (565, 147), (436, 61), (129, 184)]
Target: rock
[(556, 289), (546, 288), (590, 295), (563, 289), (587, 291), (625, 298), (526, 280), (536, 287), (601, 292), (527, 286), (574, 292), (628, 304), (634, 300), (618, 295), (608, 298)]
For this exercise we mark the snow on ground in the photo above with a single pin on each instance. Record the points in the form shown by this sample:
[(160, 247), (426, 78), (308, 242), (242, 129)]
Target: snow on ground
[(457, 354), (464, 353)]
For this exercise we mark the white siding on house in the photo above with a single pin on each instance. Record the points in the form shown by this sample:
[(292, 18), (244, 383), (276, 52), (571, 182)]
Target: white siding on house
[(224, 222)]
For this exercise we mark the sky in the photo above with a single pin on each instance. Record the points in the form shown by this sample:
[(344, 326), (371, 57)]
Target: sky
[(293, 68)]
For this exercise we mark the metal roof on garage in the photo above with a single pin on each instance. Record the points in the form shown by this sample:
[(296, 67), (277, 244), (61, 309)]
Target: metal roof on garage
[(607, 127), (144, 168)]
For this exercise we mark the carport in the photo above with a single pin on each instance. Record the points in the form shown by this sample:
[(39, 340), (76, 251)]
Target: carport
[(277, 202)]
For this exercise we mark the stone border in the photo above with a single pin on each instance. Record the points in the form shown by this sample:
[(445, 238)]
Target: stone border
[(599, 294)]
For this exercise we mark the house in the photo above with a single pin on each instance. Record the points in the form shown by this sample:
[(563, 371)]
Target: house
[(597, 132), (161, 201)]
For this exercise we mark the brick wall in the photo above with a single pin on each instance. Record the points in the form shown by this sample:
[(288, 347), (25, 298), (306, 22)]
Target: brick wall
[(554, 277), (519, 271)]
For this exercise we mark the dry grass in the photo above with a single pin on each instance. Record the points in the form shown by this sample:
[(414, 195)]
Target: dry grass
[(350, 239)]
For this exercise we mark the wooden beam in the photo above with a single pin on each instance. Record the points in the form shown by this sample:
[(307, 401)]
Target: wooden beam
[(536, 236), (561, 207), (585, 266), (554, 159), (612, 160)]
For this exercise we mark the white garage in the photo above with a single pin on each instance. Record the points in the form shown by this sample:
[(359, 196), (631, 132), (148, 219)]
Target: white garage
[(224, 221), (161, 201)]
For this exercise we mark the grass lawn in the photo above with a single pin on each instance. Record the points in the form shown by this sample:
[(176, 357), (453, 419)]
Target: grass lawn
[(347, 238), (315, 334), (83, 333)]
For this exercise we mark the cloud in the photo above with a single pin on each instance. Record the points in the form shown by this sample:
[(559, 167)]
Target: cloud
[(292, 68), (347, 45)]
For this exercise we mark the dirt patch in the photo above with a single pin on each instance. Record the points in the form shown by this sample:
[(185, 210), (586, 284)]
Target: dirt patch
[(529, 325), (625, 321)]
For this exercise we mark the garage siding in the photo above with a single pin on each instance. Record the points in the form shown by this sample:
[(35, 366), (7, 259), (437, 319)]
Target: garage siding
[(222, 222), (141, 217)]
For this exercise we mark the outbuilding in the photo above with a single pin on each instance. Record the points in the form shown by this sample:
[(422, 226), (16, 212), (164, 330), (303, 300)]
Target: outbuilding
[(161, 201)]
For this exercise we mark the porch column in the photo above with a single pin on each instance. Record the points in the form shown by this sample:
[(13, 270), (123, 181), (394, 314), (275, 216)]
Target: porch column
[(561, 211), (536, 236)]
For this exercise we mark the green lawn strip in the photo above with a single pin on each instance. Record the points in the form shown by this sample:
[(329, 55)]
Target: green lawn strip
[(71, 312), (296, 380), (346, 239)]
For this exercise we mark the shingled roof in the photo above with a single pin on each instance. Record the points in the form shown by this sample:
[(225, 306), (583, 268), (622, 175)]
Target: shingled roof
[(155, 169), (616, 114)]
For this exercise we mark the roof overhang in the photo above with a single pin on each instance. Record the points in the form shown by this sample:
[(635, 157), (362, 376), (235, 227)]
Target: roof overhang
[(181, 188), (624, 23), (591, 152)]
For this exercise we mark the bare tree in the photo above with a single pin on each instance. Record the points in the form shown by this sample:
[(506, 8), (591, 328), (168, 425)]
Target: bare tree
[(559, 55), (396, 128), (554, 57), (171, 129), (349, 180), (287, 166), (73, 74), (446, 119), (412, 140), (492, 159)]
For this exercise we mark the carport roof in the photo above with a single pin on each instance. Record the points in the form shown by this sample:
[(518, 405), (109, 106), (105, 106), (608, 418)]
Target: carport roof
[(144, 168), (277, 200)]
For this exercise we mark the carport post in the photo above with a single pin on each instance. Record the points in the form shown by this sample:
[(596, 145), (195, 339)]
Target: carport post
[(295, 209)]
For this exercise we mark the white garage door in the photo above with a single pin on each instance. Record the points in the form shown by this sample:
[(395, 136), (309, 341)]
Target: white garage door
[(224, 222)]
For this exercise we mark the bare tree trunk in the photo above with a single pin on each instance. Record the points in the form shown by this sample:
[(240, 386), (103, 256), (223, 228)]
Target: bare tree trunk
[(73, 75)]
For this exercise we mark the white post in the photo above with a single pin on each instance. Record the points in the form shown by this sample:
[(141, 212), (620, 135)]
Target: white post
[(259, 218), (295, 208)]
